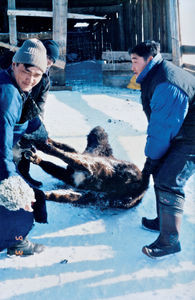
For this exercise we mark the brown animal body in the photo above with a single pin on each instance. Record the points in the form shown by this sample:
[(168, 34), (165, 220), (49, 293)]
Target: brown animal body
[(94, 176)]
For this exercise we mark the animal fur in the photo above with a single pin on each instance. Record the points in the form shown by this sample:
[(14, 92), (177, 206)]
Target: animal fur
[(94, 176)]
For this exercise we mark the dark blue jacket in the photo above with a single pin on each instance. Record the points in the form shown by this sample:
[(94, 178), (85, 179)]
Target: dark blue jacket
[(11, 102), (167, 96)]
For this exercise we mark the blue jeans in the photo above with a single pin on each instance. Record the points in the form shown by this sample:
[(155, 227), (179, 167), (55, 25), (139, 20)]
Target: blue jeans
[(176, 168)]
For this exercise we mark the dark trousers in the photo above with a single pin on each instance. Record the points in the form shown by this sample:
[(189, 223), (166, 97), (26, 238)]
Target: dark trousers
[(14, 226), (176, 168)]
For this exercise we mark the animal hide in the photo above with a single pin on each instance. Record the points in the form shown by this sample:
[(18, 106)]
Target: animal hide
[(94, 176)]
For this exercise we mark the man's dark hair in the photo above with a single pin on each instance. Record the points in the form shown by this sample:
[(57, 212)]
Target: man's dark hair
[(146, 49), (26, 66)]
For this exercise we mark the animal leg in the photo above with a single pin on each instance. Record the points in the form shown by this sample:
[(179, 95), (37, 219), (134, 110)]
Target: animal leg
[(75, 160), (76, 197), (61, 146), (66, 196), (50, 168)]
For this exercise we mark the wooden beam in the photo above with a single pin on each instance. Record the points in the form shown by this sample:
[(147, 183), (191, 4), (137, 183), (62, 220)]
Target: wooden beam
[(117, 67), (95, 9), (4, 37), (190, 68), (123, 56), (49, 14), (8, 46), (84, 17), (12, 24), (60, 11), (29, 13), (186, 49), (59, 63), (45, 35)]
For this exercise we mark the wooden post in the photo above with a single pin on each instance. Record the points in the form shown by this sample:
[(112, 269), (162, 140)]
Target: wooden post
[(139, 23), (60, 12), (132, 17), (127, 31), (121, 28), (168, 27), (146, 20), (175, 32), (12, 24)]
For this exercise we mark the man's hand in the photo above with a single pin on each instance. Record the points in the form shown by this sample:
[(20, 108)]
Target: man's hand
[(151, 166), (28, 208)]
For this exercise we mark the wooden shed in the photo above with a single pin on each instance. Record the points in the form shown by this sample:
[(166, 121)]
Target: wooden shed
[(112, 27)]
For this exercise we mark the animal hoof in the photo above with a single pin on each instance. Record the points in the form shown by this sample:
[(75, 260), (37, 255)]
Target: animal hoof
[(32, 157)]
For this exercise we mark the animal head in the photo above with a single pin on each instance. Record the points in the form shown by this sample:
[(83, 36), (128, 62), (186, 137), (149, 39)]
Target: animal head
[(97, 142)]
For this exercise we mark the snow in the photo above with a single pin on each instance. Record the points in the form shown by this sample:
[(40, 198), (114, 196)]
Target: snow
[(92, 253)]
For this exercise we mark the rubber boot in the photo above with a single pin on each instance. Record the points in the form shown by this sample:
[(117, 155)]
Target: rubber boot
[(168, 240), (153, 224), (24, 168), (24, 248)]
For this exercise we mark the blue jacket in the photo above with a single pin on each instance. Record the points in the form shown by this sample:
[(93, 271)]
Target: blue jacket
[(11, 102), (167, 110)]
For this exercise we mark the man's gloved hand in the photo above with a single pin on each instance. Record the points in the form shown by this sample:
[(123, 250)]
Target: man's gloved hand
[(39, 207), (151, 166), (27, 145)]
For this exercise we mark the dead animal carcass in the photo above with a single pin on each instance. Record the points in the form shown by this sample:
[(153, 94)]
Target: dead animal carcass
[(94, 176)]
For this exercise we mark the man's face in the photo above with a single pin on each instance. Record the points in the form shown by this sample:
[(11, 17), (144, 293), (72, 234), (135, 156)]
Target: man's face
[(26, 78), (139, 63), (50, 62)]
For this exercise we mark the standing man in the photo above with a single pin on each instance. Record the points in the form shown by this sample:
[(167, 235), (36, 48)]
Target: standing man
[(168, 99), (16, 197)]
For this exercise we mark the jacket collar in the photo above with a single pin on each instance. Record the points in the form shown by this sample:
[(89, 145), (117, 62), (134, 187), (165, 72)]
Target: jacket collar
[(156, 60)]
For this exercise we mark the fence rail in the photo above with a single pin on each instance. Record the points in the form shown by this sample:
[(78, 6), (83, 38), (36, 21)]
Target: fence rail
[(186, 49)]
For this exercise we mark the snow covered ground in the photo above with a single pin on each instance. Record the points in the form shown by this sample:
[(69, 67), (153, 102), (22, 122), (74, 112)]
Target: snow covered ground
[(93, 253)]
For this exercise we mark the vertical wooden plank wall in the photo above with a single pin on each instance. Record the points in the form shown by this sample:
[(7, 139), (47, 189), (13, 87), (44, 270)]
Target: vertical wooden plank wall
[(147, 19), (156, 20)]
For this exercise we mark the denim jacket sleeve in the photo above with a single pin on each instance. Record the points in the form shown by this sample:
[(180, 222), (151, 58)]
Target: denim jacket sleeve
[(10, 109), (169, 106)]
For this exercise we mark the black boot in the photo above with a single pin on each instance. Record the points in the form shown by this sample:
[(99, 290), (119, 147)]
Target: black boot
[(24, 248), (168, 240), (153, 224), (24, 168)]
